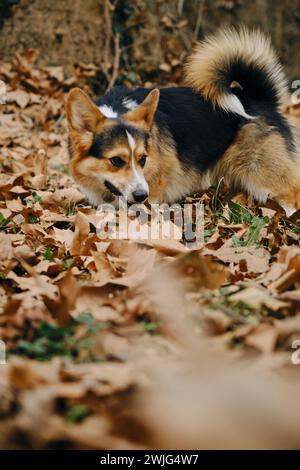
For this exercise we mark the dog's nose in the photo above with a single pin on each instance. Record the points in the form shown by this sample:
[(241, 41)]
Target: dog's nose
[(140, 195)]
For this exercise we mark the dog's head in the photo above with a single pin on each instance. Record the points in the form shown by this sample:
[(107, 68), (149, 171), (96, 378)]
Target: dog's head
[(110, 154)]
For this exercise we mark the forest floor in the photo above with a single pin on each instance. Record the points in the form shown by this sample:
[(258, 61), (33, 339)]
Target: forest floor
[(116, 344)]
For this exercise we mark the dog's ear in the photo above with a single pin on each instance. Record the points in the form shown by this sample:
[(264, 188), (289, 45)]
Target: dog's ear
[(143, 114), (83, 117)]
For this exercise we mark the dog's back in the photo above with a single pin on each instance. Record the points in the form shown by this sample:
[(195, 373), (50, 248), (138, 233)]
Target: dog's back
[(200, 132)]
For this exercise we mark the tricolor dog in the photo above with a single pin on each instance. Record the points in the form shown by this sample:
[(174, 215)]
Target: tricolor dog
[(162, 145)]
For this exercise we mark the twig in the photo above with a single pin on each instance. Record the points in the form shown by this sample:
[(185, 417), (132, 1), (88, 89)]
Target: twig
[(107, 38), (137, 43), (180, 7), (199, 19), (116, 64)]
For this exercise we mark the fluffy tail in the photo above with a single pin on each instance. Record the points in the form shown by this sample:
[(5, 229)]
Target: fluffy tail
[(236, 67)]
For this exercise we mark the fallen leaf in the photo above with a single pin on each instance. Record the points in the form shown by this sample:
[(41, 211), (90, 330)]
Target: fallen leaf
[(263, 338)]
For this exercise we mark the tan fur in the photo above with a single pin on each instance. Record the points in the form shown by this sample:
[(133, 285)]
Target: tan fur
[(217, 51), (259, 163), (84, 119), (168, 180)]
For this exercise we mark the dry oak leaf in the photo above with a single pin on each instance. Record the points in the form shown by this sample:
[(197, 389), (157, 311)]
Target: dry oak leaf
[(168, 247), (22, 376), (291, 296), (21, 97), (56, 72), (82, 230), (6, 248), (200, 270), (215, 322), (288, 326), (281, 267), (257, 259), (64, 237), (15, 205), (256, 296), (102, 379), (290, 277), (105, 270), (140, 265), (37, 285), (69, 290), (61, 197), (39, 181), (263, 338)]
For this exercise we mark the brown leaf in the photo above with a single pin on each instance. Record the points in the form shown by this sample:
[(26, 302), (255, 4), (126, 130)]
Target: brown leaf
[(256, 296), (216, 322), (82, 229), (257, 259), (40, 170), (263, 338), (200, 270), (6, 248), (21, 97)]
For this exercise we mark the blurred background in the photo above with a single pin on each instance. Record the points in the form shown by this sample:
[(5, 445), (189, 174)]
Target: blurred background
[(141, 40)]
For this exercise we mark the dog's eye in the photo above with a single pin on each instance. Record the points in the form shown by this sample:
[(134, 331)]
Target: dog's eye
[(117, 161), (143, 160)]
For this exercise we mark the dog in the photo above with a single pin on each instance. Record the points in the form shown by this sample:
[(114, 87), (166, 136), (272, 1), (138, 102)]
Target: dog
[(164, 144)]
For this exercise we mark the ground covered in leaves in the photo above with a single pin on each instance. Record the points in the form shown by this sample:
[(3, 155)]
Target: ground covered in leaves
[(122, 344)]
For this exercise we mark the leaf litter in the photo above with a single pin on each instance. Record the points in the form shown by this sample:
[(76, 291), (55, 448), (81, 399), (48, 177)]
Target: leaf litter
[(135, 344)]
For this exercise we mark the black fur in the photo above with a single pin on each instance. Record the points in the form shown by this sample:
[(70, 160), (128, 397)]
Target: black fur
[(106, 139), (258, 95)]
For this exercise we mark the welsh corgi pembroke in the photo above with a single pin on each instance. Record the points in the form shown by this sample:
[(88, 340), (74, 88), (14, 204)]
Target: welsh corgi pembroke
[(163, 144)]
